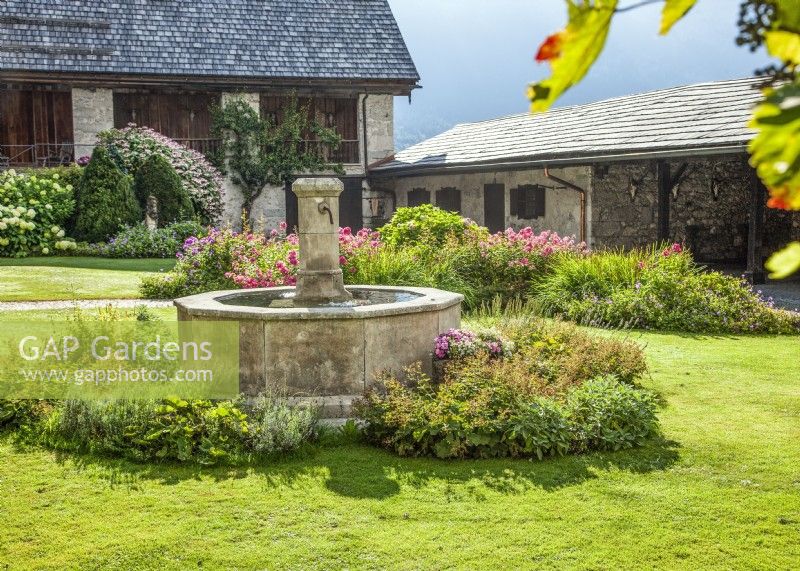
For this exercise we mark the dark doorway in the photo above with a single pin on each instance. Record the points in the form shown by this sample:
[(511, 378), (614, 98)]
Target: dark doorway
[(291, 208), (350, 206), (494, 207)]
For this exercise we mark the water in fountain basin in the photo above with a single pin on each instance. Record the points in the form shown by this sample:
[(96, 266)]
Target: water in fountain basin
[(284, 299)]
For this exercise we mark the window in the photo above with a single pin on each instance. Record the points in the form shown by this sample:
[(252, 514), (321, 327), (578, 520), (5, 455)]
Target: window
[(528, 201), (182, 116), (449, 198), (338, 113), (418, 196)]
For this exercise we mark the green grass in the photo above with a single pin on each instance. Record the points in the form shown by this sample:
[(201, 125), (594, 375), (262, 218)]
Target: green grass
[(39, 315), (721, 491), (47, 279)]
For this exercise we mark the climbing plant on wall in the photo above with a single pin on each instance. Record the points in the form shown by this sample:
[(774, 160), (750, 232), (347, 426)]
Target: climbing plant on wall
[(775, 24), (263, 151)]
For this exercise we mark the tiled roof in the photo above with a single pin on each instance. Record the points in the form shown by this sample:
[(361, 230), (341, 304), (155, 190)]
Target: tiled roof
[(703, 116), (325, 39)]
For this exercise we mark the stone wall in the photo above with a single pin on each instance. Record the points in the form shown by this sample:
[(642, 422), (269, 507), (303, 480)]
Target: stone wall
[(92, 112), (270, 208), (708, 208), (562, 205)]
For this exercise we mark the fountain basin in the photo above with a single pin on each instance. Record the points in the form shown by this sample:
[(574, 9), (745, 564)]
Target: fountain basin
[(331, 349)]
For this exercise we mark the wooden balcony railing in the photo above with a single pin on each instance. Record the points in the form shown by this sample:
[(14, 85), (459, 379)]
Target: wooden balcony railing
[(37, 155), (206, 147), (346, 153), (52, 154)]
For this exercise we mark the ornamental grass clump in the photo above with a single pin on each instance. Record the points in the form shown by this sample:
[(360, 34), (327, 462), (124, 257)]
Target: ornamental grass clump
[(534, 401), (33, 213), (657, 288)]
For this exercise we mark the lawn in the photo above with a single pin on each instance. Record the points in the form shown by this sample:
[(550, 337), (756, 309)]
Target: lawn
[(721, 491), (64, 278)]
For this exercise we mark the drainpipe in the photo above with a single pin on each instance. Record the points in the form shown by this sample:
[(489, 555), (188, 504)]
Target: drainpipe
[(364, 131), (580, 191)]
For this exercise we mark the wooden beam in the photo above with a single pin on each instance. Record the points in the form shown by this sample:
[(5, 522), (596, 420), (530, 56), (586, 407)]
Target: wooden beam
[(664, 191), (755, 235)]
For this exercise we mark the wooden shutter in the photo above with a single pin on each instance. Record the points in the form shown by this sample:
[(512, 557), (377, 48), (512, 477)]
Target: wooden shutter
[(418, 196), (538, 201), (449, 198), (528, 201)]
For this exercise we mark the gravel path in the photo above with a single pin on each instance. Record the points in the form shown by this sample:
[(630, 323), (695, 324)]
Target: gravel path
[(82, 304), (784, 294)]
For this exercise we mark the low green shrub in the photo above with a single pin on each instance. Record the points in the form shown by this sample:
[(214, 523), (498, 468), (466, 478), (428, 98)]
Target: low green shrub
[(157, 178), (33, 212), (532, 402), (426, 224), (105, 200), (606, 415), (169, 285), (276, 428), (140, 242), (171, 429)]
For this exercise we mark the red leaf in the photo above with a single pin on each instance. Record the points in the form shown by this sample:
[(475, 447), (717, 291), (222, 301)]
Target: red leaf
[(551, 47)]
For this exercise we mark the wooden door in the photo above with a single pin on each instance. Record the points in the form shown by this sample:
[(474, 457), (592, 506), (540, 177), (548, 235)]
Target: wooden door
[(494, 207), (350, 206)]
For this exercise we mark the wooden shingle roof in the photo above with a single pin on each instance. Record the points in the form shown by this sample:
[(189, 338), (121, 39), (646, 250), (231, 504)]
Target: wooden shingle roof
[(691, 119), (325, 39)]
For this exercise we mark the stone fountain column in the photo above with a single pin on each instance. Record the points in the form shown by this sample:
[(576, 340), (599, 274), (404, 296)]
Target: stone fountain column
[(319, 278)]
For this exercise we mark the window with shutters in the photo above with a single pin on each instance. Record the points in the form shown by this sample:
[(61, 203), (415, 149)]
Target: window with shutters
[(449, 199), (528, 201), (418, 196), (338, 113)]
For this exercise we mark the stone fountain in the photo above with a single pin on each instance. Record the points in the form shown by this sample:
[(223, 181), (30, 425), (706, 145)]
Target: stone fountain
[(322, 339)]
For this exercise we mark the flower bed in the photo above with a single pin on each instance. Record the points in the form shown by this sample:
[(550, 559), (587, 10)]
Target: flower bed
[(655, 289), (546, 398), (132, 146)]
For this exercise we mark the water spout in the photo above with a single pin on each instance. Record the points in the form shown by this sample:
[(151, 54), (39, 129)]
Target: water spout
[(319, 278)]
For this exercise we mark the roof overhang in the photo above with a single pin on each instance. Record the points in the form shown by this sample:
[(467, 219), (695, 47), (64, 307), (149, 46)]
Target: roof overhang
[(557, 161), (221, 83)]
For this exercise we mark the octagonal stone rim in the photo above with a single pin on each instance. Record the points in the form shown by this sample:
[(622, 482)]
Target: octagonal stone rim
[(208, 305)]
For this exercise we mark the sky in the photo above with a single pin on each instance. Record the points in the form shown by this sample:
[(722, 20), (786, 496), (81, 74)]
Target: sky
[(475, 57)]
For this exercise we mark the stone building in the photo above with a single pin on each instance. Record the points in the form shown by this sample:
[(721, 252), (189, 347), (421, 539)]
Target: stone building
[(71, 69), (669, 165)]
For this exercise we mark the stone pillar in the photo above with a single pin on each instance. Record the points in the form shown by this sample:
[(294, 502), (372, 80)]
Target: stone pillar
[(380, 127), (92, 112), (755, 235), (233, 199), (319, 278)]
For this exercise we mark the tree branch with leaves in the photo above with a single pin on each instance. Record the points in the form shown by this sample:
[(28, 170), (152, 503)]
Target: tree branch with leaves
[(774, 151), (261, 151)]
